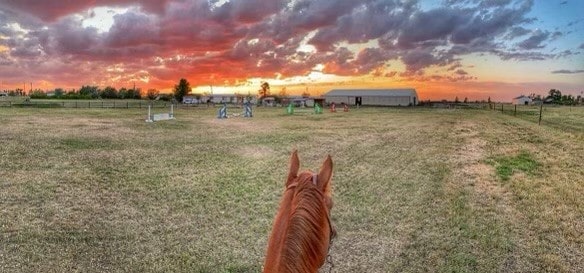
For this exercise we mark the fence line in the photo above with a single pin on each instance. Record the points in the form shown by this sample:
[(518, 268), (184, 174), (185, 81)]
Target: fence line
[(86, 104), (546, 114)]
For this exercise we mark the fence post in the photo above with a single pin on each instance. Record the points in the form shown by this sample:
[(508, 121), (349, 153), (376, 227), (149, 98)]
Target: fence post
[(127, 105), (540, 109), (90, 105), (515, 113), (114, 104), (501, 108)]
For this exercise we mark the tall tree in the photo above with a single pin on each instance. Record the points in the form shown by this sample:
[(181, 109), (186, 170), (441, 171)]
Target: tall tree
[(182, 89), (265, 90), (134, 93), (109, 93), (555, 95), (152, 94), (91, 92), (123, 93), (59, 92)]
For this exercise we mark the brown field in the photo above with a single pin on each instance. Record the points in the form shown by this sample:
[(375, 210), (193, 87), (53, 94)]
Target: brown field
[(415, 190)]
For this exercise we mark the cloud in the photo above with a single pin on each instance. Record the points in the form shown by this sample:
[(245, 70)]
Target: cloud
[(132, 29), (534, 42), (50, 11), (581, 46), (416, 60), (238, 39), (460, 72), (517, 32), (435, 24), (566, 71)]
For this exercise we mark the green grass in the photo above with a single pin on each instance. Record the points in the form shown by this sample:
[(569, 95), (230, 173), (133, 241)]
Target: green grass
[(414, 189), (507, 165)]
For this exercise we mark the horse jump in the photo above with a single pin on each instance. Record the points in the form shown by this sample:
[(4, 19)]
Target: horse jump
[(290, 109), (162, 116), (247, 111)]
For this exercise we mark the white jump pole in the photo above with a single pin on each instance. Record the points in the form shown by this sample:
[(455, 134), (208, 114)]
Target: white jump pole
[(149, 116)]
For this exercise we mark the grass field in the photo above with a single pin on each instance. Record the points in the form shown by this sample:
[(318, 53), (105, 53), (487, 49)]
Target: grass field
[(415, 190)]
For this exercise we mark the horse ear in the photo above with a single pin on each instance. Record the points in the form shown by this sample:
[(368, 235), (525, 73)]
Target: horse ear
[(294, 166), (325, 175)]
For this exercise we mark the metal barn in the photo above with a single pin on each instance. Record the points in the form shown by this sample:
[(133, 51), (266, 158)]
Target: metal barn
[(522, 100), (375, 97)]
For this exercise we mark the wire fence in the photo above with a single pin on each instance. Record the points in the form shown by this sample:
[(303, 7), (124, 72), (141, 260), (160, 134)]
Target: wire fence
[(565, 117)]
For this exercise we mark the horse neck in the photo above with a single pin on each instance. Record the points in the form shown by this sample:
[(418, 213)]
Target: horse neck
[(300, 236)]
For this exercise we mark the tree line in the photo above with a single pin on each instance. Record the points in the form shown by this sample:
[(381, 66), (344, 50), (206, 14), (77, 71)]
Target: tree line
[(94, 92), (555, 96)]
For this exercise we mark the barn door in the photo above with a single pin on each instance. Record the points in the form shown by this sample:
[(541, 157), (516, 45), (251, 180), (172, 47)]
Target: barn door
[(358, 101)]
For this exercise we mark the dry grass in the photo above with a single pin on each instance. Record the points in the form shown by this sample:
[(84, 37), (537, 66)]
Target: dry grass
[(415, 190)]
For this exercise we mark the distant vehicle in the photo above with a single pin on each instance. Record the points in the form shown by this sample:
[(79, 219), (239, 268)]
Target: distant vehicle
[(190, 100)]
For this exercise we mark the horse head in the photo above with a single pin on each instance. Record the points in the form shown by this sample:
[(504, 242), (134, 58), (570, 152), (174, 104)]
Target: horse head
[(302, 229)]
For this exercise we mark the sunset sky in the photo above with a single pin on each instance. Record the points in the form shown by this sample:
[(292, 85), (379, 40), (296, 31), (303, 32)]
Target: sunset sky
[(465, 48)]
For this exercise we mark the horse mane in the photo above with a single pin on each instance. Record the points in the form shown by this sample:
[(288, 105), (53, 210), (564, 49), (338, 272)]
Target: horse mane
[(304, 228)]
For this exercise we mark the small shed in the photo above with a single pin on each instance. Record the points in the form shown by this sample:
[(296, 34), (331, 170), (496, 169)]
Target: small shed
[(521, 100), (374, 97)]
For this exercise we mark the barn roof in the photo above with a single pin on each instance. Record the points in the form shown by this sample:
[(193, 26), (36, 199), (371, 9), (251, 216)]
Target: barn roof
[(373, 92), (521, 97)]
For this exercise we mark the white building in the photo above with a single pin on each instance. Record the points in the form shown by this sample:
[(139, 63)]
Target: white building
[(377, 97), (522, 100)]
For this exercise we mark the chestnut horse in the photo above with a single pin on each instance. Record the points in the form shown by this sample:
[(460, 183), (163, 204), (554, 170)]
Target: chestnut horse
[(302, 230)]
